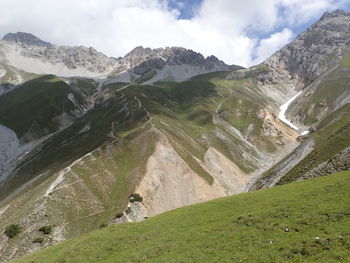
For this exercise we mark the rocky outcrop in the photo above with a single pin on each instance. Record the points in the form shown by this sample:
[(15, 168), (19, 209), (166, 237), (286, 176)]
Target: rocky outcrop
[(315, 65), (172, 56), (134, 212), (339, 162), (59, 60), (283, 167), (304, 57), (171, 63)]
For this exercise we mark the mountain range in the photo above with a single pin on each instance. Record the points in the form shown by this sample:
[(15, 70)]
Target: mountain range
[(24, 52), (88, 140)]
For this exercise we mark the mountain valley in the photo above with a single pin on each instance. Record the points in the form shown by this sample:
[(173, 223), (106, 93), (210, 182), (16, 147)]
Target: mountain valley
[(88, 140)]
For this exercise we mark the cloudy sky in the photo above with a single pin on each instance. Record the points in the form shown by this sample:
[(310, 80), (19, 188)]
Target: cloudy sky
[(238, 32)]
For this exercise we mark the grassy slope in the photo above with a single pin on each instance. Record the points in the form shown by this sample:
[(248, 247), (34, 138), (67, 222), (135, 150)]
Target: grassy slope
[(70, 143), (40, 101), (189, 106), (243, 228), (183, 111), (232, 97)]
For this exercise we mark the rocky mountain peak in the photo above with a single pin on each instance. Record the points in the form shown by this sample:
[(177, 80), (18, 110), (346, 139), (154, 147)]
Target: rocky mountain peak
[(309, 55), (335, 13), (139, 51), (26, 39), (167, 63)]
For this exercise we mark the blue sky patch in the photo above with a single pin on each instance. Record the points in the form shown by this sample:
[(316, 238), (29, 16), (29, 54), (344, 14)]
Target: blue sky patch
[(187, 8)]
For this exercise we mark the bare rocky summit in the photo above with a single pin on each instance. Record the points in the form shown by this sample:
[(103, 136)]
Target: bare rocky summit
[(27, 52), (316, 49), (26, 39), (170, 63)]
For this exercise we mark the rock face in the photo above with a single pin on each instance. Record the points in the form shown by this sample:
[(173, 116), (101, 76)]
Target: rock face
[(172, 56), (26, 52), (282, 168), (25, 38), (316, 63), (30, 54), (304, 56), (171, 63), (339, 162)]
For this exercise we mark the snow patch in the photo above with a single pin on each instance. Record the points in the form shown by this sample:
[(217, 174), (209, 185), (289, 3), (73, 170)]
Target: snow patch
[(283, 108), (304, 133), (283, 118)]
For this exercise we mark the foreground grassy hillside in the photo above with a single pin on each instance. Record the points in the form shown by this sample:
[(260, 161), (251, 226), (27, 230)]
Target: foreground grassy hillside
[(301, 222)]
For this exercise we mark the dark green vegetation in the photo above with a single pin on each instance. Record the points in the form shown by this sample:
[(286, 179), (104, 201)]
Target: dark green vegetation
[(12, 230), (299, 222), (118, 215), (46, 230), (135, 198), (35, 103), (38, 240)]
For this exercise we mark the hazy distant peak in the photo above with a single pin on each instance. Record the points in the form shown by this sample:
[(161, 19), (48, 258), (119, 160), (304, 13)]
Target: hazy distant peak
[(25, 38)]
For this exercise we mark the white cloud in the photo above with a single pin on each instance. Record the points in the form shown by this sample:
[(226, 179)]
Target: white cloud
[(297, 14), (219, 27)]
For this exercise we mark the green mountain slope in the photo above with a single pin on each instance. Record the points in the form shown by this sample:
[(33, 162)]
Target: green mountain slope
[(214, 110), (161, 141), (299, 222)]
